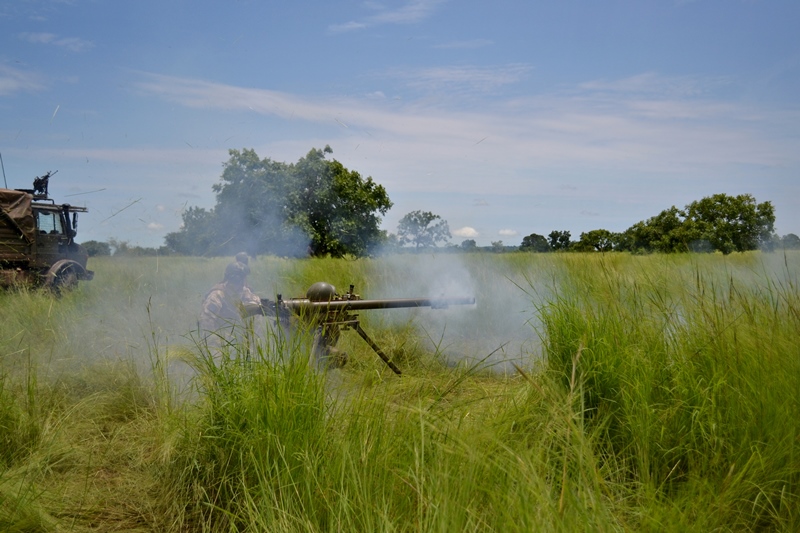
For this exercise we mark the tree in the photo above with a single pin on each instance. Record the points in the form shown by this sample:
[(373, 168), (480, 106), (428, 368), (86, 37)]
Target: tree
[(597, 240), (731, 223), (790, 241), (96, 248), (534, 243), (664, 232), (251, 213), (336, 207), (718, 222), (314, 206), (124, 248), (559, 240), (498, 247), (469, 245), (196, 236), (418, 228)]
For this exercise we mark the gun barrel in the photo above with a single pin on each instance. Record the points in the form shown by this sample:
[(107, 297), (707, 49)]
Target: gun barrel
[(297, 304)]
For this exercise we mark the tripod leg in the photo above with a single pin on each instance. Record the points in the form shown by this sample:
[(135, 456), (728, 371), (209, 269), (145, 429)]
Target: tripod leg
[(376, 348)]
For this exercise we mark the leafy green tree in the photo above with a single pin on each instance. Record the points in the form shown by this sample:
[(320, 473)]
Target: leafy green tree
[(469, 245), (731, 223), (336, 207), (534, 243), (196, 236), (597, 240), (559, 240), (664, 233), (498, 247), (421, 229), (314, 206), (251, 212), (719, 222)]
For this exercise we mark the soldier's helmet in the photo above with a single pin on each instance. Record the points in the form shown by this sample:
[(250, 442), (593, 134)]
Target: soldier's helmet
[(321, 292), (242, 257), (236, 271)]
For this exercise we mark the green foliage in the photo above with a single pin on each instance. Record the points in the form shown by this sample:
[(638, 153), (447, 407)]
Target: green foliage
[(314, 206), (19, 429), (597, 240), (123, 248), (336, 207), (559, 240), (731, 223), (197, 234), (420, 229), (672, 367), (468, 245), (534, 243), (664, 233), (263, 429), (719, 222)]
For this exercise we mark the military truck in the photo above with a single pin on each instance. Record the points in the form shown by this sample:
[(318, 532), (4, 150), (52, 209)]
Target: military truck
[(37, 240)]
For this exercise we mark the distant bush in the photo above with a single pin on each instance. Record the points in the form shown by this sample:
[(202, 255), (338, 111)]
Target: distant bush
[(95, 248)]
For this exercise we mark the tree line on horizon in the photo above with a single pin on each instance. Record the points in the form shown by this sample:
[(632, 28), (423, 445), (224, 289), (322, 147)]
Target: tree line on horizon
[(317, 207), (719, 222)]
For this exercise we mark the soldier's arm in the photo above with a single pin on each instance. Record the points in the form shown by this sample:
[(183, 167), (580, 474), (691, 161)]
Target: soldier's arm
[(212, 310), (251, 303)]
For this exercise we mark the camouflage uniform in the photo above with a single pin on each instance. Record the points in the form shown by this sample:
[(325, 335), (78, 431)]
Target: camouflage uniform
[(224, 306), (229, 301)]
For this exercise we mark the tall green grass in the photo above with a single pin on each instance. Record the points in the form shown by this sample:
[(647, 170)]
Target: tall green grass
[(276, 446), (656, 393), (691, 367)]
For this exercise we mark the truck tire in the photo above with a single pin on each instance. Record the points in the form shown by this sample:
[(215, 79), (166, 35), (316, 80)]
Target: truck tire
[(63, 276)]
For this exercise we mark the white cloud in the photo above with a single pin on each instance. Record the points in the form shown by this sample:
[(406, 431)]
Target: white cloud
[(73, 44), (414, 146), (412, 11), (466, 231), (655, 84), (13, 80), (345, 27), (508, 232), (478, 78), (155, 226), (463, 45), (38, 38)]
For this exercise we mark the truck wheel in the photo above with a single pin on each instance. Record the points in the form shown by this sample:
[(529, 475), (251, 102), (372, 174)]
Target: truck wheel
[(64, 280)]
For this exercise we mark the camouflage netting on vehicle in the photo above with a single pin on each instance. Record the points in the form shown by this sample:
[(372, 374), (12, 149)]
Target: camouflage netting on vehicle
[(16, 206)]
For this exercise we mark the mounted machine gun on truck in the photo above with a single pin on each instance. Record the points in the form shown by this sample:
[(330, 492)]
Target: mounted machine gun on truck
[(37, 239), (330, 313)]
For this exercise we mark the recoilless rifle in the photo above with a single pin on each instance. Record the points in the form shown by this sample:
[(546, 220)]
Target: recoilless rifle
[(330, 313)]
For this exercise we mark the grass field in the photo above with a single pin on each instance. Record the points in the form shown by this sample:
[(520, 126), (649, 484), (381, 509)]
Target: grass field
[(581, 393)]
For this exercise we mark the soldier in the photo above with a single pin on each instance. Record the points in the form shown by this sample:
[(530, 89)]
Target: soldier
[(242, 258), (229, 301)]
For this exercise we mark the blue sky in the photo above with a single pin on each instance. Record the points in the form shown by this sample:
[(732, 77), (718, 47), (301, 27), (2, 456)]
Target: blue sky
[(505, 118)]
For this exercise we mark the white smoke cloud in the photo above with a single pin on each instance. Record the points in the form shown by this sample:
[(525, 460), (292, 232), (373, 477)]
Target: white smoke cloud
[(499, 329)]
